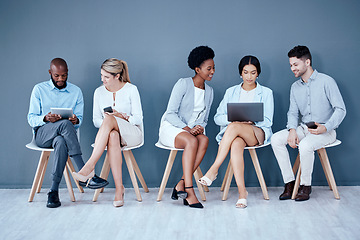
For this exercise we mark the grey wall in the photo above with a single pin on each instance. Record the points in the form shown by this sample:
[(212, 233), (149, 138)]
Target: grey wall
[(155, 38)]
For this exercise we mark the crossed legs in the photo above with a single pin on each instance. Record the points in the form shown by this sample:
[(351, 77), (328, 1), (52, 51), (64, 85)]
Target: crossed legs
[(108, 135), (236, 137), (194, 151)]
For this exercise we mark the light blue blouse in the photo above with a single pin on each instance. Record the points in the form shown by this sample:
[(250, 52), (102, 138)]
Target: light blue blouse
[(181, 104), (232, 95)]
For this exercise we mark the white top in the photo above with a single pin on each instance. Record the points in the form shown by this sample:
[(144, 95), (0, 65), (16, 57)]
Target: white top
[(247, 96), (199, 106), (127, 100)]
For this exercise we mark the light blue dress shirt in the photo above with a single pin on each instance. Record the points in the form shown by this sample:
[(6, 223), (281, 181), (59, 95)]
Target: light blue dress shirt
[(232, 95), (45, 96), (318, 100)]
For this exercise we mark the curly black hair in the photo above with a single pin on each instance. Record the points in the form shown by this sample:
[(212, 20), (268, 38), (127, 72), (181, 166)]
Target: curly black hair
[(198, 55), (300, 52)]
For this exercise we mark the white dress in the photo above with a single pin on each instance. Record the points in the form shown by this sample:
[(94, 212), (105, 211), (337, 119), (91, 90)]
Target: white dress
[(168, 132), (126, 100)]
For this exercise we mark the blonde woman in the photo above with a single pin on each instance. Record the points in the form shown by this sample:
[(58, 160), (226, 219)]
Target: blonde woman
[(118, 114)]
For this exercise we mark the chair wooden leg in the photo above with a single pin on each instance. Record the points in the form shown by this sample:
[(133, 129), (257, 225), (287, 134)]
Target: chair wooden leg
[(132, 174), (68, 184), (104, 174), (324, 168), (296, 164), (297, 183), (138, 172), (44, 158), (206, 189), (325, 162), (227, 180), (199, 185), (165, 178), (71, 168), (42, 173), (259, 174)]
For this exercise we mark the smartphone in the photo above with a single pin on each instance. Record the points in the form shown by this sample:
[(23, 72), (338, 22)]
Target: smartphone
[(108, 109), (311, 125)]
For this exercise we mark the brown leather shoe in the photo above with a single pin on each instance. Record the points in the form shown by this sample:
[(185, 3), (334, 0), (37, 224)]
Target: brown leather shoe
[(289, 187), (304, 193)]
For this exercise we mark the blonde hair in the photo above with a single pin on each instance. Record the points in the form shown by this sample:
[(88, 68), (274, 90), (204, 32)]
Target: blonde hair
[(115, 66)]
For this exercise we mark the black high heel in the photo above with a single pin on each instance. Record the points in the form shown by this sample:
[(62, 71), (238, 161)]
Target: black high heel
[(178, 194), (194, 205)]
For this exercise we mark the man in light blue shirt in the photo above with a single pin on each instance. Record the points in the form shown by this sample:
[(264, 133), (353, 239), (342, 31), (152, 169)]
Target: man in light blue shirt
[(52, 131), (316, 97)]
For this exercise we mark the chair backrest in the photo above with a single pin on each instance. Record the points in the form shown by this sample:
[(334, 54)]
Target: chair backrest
[(32, 145)]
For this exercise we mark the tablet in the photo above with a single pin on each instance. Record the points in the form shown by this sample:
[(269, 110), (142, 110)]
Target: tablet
[(253, 111), (63, 112)]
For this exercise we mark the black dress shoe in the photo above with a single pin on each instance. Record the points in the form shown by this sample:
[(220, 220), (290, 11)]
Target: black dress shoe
[(53, 199), (289, 188), (304, 193), (95, 183)]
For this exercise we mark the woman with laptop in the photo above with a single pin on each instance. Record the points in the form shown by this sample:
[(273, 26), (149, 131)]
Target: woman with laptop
[(183, 124), (117, 112), (237, 135)]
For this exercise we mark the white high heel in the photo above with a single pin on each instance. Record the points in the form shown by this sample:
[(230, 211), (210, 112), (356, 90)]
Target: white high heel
[(204, 180), (119, 203), (242, 202)]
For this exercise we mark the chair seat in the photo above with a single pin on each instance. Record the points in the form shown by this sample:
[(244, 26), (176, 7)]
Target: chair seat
[(32, 145), (41, 169), (159, 145), (259, 146), (324, 160)]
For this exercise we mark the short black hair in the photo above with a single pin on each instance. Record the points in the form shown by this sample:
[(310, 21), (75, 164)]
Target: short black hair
[(198, 55), (300, 52), (249, 60)]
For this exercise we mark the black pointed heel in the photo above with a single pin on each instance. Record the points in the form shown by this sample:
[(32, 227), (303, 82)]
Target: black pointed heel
[(194, 205), (178, 194)]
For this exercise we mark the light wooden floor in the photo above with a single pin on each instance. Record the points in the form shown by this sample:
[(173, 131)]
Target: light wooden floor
[(322, 217)]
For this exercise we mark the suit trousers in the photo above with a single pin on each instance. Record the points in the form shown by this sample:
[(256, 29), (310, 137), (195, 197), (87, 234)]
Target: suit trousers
[(60, 135), (308, 144)]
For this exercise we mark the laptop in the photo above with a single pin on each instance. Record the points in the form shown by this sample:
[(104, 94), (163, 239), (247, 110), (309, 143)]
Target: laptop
[(250, 111)]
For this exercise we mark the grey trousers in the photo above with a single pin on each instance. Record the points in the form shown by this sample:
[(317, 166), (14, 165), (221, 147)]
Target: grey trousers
[(60, 135)]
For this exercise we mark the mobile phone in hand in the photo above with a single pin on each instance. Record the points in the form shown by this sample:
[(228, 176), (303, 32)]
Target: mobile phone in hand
[(108, 109), (311, 125)]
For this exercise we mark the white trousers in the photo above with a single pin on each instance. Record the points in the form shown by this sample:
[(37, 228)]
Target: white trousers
[(308, 144)]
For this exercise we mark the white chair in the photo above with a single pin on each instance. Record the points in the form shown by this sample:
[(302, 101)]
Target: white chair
[(326, 166), (41, 169), (197, 174), (132, 167), (230, 172)]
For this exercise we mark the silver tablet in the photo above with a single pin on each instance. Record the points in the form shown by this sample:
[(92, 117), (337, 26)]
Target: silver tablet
[(63, 112)]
